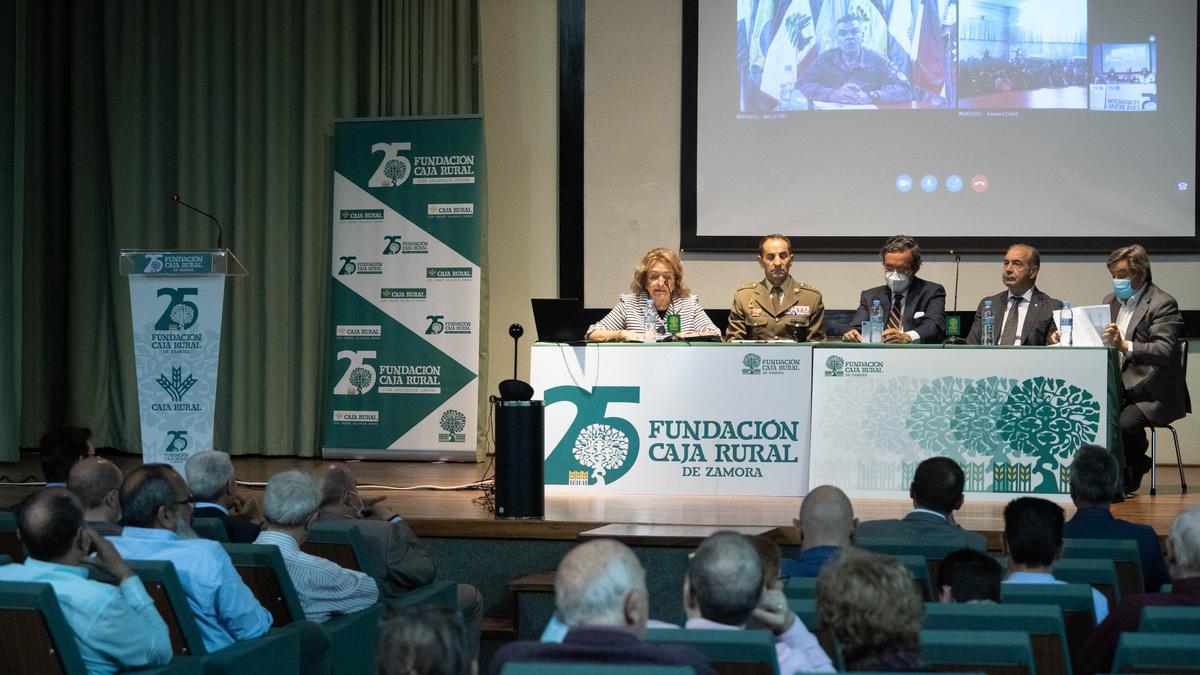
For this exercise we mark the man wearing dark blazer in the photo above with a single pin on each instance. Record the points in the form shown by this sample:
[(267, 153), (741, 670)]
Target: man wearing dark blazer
[(1033, 318), (914, 310), (937, 492), (1146, 330), (211, 480)]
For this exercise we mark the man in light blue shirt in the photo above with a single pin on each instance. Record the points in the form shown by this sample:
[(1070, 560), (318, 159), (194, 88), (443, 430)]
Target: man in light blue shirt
[(1033, 540), (115, 627), (157, 512)]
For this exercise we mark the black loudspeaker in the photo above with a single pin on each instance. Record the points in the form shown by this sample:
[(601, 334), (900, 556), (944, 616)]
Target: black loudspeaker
[(520, 427)]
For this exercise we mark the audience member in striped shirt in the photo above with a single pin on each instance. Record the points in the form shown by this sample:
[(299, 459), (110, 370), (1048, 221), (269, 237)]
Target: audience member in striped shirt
[(325, 588)]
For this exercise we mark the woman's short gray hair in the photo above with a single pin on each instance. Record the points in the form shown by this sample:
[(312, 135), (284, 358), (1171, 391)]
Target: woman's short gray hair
[(291, 498), (1185, 542)]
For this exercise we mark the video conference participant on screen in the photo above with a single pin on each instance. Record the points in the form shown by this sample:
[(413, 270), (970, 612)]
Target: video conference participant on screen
[(1146, 329), (852, 73), (659, 277), (778, 307), (914, 309), (1024, 315)]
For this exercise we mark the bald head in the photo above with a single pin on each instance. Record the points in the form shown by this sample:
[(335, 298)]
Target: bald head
[(97, 483), (826, 519), (601, 583), (48, 522)]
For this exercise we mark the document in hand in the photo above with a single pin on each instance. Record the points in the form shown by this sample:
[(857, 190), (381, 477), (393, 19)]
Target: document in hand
[(1088, 325)]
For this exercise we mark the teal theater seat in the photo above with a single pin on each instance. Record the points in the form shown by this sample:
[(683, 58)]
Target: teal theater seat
[(1074, 600), (1123, 552), (1157, 653), (1170, 620), (1043, 624), (746, 652), (993, 652)]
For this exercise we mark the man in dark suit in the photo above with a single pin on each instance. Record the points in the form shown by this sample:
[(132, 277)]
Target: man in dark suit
[(211, 480), (914, 310), (1024, 315), (937, 492), (1095, 483), (600, 594), (1146, 329)]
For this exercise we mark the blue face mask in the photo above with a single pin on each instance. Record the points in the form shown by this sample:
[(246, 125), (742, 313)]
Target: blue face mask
[(1123, 288)]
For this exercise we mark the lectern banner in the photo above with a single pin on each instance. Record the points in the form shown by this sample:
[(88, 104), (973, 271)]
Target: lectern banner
[(176, 306), (404, 333)]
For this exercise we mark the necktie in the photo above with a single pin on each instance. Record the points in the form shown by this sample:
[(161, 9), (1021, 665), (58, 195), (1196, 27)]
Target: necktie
[(1008, 334), (776, 297), (895, 319)]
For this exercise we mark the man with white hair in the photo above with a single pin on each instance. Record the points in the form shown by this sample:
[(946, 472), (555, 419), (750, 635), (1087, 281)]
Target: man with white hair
[(1183, 555), (724, 589), (211, 480), (325, 588), (600, 594)]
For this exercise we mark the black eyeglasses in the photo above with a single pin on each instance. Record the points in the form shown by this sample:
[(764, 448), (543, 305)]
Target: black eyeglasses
[(190, 500)]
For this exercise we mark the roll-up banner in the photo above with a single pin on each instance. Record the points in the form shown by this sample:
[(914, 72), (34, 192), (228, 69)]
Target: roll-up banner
[(405, 288)]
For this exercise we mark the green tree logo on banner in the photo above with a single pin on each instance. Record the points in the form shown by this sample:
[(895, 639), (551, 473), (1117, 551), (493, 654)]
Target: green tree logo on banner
[(453, 423), (834, 366), (393, 244), (359, 377), (752, 363), (180, 314), (436, 326), (394, 168), (177, 442), (596, 449)]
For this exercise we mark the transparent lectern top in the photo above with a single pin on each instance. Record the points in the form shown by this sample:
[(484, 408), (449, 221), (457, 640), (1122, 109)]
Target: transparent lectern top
[(181, 263)]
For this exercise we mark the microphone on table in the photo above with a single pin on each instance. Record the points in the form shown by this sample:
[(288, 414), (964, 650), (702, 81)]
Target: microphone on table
[(175, 198), (954, 339)]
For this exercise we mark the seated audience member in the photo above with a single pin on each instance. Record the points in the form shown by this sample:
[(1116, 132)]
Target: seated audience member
[(211, 480), (115, 627), (97, 483), (60, 449), (157, 512), (600, 594), (825, 528), (391, 542), (937, 492), (1183, 553), (1096, 483), (873, 608), (967, 575), (723, 589), (325, 588), (1033, 540), (424, 642)]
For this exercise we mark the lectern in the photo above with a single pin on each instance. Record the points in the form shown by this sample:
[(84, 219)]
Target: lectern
[(176, 299)]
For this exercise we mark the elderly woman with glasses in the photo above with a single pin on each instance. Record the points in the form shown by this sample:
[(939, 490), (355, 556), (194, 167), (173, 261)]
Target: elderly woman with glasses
[(657, 280)]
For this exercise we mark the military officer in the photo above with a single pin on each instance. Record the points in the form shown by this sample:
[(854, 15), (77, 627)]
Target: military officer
[(778, 307)]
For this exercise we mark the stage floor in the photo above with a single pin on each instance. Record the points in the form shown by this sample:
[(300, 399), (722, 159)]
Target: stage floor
[(462, 513)]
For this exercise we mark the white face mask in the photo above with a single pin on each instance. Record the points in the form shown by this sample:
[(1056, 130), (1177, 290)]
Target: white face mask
[(897, 282)]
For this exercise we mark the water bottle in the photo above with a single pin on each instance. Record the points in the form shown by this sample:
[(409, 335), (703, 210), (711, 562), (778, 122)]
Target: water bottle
[(651, 323), (1066, 324), (876, 323), (987, 332), (785, 89)]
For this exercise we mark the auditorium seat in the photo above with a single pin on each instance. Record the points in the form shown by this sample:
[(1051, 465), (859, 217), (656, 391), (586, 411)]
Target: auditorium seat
[(210, 528), (992, 652), (933, 553), (800, 588), (1098, 573), (5, 560), (263, 570), (1043, 624), (1183, 359), (731, 652), (918, 567), (592, 669), (1157, 653), (278, 650), (36, 638), (1123, 552), (806, 611), (339, 541), (1074, 600), (10, 545), (1170, 620)]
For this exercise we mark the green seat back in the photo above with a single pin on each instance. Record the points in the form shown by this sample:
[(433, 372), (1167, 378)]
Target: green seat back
[(806, 611), (918, 567), (1170, 620), (262, 569), (800, 588), (1157, 653), (1123, 552), (996, 652), (750, 652), (1099, 573), (933, 553), (34, 635), (163, 586), (5, 560), (210, 528), (592, 669), (1043, 623), (339, 541), (1075, 601), (10, 545)]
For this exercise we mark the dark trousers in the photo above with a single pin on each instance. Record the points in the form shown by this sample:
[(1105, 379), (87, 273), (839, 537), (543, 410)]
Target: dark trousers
[(1133, 433)]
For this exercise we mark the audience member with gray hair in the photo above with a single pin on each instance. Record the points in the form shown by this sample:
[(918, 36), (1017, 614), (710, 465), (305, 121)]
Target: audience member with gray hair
[(1183, 554), (325, 588), (115, 627), (1096, 483), (825, 528), (97, 483), (600, 594), (724, 589), (424, 641), (211, 478), (157, 511)]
